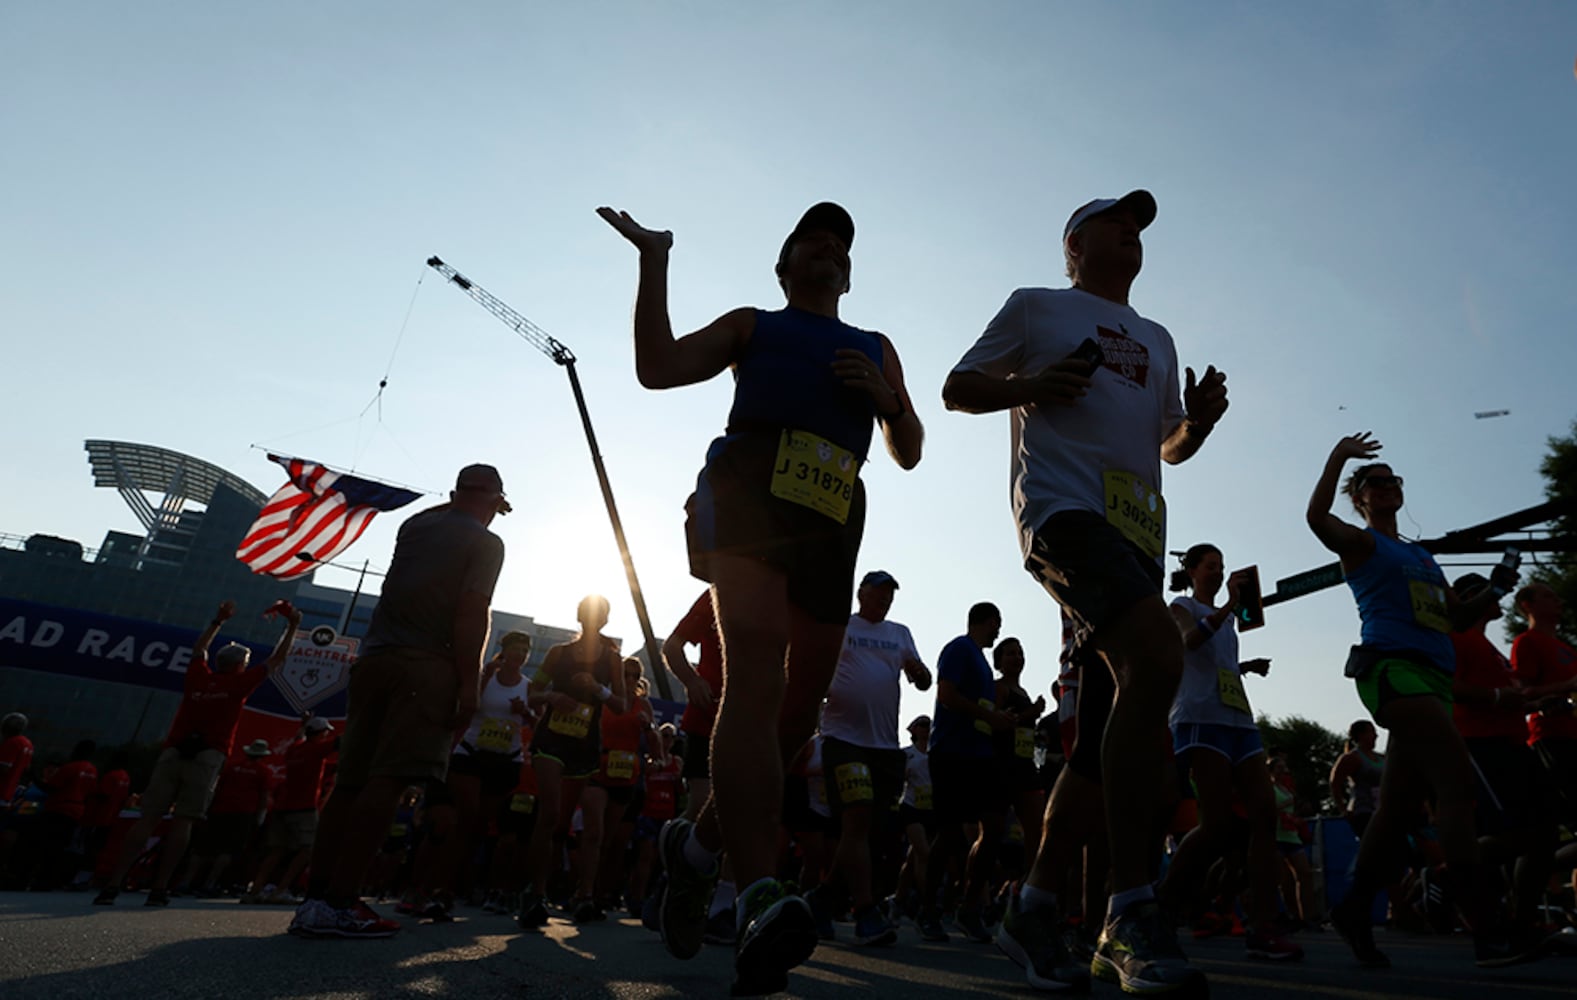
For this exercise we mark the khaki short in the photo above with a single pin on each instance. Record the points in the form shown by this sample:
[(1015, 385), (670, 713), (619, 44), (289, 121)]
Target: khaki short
[(400, 705), (186, 784), (292, 831)]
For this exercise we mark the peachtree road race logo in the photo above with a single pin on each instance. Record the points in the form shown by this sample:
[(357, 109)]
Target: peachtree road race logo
[(317, 667)]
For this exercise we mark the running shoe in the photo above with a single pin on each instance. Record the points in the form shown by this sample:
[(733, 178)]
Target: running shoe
[(722, 927), (533, 912), (686, 896), (1499, 948), (1274, 947), (777, 933), (1351, 921), (494, 903), (362, 921), (157, 897), (872, 929), (106, 897), (651, 906), (407, 907), (437, 913), (1139, 952), (311, 917), (1079, 939), (585, 911), (1036, 940), (972, 925), (931, 929), (280, 897)]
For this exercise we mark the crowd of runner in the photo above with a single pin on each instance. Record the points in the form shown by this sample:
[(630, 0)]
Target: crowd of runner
[(787, 807)]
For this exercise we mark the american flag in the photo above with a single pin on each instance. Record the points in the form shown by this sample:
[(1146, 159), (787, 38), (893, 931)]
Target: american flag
[(313, 518)]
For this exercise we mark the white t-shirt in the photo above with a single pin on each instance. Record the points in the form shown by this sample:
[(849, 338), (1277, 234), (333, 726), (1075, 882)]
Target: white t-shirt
[(916, 778), (862, 703), (1060, 453), (1199, 694)]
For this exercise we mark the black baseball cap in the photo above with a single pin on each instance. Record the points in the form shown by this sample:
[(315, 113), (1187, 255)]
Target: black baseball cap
[(877, 578), (827, 215), (483, 478)]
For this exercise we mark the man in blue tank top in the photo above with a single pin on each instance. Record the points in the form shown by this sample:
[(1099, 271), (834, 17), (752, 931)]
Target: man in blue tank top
[(775, 526)]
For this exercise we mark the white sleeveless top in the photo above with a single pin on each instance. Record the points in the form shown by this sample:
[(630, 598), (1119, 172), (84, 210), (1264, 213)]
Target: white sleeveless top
[(1208, 673), (495, 727)]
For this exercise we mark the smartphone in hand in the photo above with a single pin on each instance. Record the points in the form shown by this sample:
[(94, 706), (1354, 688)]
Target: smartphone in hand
[(1090, 353), (1251, 602)]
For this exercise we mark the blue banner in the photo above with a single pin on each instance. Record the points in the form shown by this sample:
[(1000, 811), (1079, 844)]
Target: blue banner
[(101, 647)]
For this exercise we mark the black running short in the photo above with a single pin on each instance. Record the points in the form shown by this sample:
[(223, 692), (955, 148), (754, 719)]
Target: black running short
[(1512, 792), (497, 772), (733, 512), (964, 789), (1097, 576), (580, 757), (862, 776)]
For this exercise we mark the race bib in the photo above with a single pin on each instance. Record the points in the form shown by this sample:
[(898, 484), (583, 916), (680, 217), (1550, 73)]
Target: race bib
[(1136, 510), (497, 735), (1024, 742), (981, 725), (922, 798), (1230, 687), (813, 472), (621, 765), (523, 803), (1429, 605), (854, 783), (398, 830), (576, 725)]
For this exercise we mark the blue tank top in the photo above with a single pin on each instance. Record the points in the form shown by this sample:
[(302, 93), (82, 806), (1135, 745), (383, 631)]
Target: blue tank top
[(784, 379), (1401, 596)]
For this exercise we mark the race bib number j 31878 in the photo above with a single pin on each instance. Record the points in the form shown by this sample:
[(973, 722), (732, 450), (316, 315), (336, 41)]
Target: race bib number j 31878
[(813, 472)]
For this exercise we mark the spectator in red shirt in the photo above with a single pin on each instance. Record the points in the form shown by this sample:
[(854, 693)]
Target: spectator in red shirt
[(103, 807), (68, 788), (703, 684), (294, 822), (16, 756), (1514, 818), (239, 807), (195, 750), (1546, 667)]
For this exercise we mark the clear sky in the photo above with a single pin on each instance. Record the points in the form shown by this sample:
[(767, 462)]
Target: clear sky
[(215, 218)]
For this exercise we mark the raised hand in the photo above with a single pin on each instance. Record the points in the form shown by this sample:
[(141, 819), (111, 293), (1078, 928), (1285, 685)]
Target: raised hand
[(645, 240), (226, 610), (858, 371), (1206, 400), (1363, 446)]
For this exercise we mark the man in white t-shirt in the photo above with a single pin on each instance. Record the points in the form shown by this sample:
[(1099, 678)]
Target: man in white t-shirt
[(861, 758), (1092, 390)]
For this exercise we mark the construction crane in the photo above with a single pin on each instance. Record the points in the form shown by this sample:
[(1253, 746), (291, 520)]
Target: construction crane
[(561, 355)]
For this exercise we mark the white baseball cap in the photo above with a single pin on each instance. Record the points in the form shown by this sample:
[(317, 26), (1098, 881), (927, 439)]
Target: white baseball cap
[(1141, 202)]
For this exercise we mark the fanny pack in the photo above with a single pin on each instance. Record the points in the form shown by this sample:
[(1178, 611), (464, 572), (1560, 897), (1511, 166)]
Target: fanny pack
[(1360, 658), (191, 745)]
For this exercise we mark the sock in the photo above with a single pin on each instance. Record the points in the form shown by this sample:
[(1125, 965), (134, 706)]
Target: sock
[(739, 902), (1120, 901), (722, 899), (699, 858), (1031, 898)]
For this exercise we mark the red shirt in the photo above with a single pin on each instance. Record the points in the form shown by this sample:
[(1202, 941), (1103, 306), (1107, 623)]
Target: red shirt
[(212, 704), (699, 628), (621, 745), (244, 785), (303, 774), (71, 787), (107, 799), (16, 756), (1480, 665), (1538, 659), (662, 790)]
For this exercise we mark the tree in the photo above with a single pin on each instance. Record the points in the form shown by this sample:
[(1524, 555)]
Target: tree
[(1559, 470), (1311, 751)]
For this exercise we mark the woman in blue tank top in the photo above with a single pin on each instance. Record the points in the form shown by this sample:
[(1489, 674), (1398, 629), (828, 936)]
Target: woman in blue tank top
[(1403, 669)]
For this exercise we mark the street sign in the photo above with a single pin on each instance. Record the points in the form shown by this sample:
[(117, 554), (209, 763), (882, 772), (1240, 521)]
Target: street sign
[(1306, 582)]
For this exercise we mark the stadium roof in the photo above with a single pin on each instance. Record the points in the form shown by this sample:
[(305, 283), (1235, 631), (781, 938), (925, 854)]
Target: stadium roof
[(125, 465)]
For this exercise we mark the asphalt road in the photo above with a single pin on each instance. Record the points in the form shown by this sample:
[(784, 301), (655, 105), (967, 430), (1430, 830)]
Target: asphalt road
[(56, 945)]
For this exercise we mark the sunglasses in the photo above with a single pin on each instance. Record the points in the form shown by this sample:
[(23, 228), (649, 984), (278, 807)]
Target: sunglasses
[(1381, 482)]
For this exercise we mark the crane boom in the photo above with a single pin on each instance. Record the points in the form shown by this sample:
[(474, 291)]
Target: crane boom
[(563, 356)]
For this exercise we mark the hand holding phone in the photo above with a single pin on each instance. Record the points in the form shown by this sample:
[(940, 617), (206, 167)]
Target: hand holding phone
[(1251, 603)]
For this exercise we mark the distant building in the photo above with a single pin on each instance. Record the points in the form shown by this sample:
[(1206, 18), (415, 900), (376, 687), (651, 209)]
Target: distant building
[(175, 573)]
